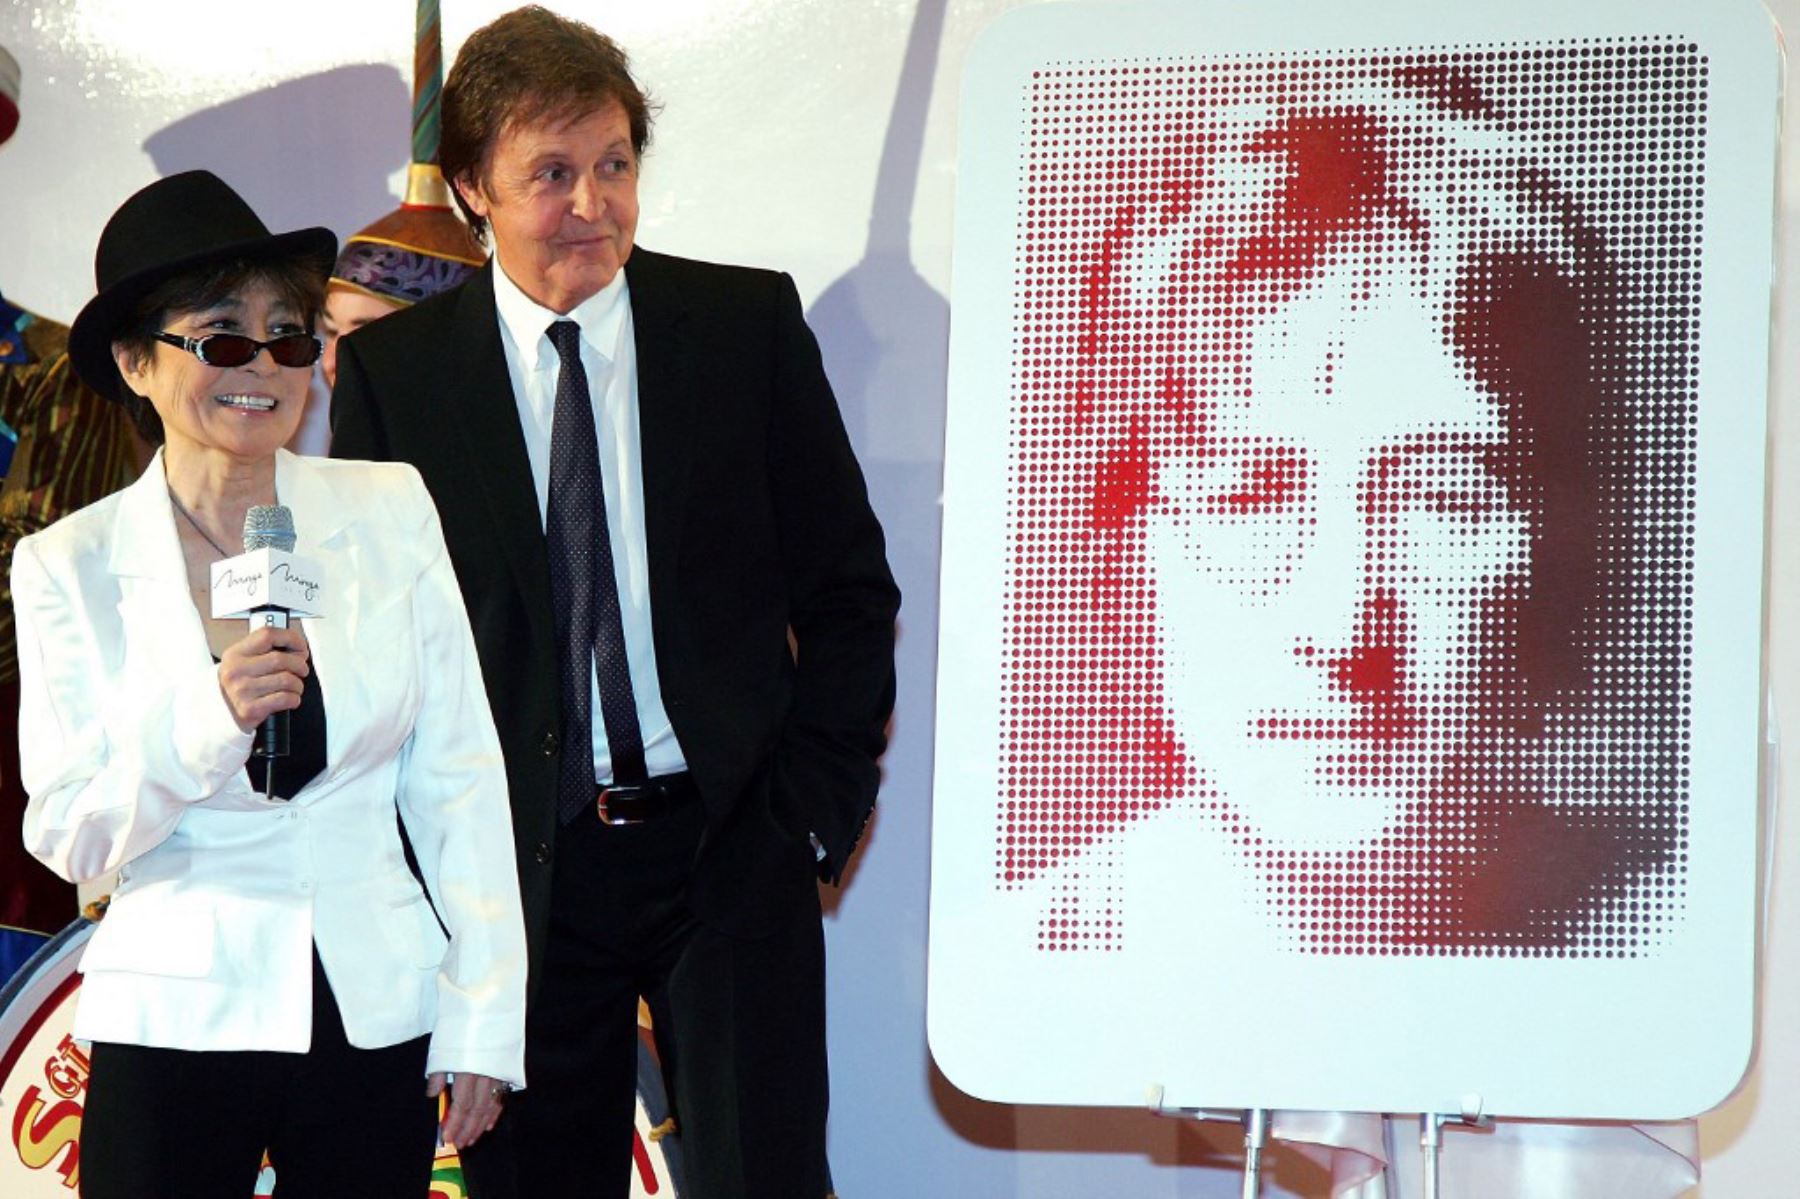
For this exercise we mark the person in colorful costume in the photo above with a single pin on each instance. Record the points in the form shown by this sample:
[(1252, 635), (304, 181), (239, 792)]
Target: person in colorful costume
[(418, 250), (61, 448)]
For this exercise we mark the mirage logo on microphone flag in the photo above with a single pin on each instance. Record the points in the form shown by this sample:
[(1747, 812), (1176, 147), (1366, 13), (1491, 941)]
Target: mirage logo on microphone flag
[(265, 578)]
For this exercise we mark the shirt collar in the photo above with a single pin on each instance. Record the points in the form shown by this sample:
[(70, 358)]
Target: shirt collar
[(526, 321)]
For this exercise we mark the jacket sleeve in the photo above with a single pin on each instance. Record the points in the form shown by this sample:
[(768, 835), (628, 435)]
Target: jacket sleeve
[(842, 600), (109, 768), (453, 800)]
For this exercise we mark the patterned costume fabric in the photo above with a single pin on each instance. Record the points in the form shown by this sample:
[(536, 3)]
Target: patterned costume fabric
[(399, 273), (74, 447)]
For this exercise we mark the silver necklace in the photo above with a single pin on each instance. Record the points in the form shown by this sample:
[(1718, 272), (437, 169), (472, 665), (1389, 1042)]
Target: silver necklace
[(223, 552)]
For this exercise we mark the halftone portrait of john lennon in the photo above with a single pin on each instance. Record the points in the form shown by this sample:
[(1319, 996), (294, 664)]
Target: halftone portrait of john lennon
[(1351, 481)]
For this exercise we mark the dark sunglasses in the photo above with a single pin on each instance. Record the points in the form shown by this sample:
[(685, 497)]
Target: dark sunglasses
[(234, 349)]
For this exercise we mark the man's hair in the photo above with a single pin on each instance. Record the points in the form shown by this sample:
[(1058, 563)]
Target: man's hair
[(526, 67)]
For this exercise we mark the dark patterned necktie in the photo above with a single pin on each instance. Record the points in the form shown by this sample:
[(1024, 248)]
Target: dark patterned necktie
[(585, 592)]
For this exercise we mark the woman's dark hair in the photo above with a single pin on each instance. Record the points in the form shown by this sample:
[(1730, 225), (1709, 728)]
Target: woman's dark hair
[(523, 68), (296, 281)]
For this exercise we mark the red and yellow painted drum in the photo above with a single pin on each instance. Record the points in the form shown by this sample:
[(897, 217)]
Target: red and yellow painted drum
[(43, 1084)]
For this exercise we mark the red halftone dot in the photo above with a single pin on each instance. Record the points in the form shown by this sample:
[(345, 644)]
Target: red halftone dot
[(1579, 319)]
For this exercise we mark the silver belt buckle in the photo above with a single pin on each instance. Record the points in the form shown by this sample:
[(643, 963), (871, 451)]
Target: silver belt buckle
[(604, 808)]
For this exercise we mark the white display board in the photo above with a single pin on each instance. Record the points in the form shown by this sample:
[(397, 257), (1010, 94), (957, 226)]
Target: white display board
[(1349, 652)]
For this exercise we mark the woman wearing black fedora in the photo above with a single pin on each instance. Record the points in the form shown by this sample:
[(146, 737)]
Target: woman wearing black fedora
[(271, 976)]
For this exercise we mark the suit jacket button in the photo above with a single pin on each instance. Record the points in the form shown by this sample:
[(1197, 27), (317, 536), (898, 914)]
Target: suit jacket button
[(543, 853), (549, 745)]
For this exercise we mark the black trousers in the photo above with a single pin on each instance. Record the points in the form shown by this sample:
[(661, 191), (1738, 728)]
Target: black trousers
[(742, 1032), (338, 1122)]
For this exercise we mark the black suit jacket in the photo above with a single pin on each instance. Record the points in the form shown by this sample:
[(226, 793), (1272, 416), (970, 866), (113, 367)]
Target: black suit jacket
[(757, 522)]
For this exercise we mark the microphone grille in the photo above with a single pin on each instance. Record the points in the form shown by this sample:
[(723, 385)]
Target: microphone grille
[(269, 526)]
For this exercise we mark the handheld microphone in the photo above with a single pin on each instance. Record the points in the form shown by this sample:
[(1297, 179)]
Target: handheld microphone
[(268, 586), (270, 526)]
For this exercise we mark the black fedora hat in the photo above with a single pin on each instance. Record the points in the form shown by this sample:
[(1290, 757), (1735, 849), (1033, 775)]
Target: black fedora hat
[(173, 226)]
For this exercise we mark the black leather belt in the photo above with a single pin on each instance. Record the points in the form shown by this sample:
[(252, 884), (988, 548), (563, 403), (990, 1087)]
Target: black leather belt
[(652, 799)]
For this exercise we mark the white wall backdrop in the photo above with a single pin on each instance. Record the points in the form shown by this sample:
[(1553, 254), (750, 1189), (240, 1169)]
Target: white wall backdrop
[(818, 136)]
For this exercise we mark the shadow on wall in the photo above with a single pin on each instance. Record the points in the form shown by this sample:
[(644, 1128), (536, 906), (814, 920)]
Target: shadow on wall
[(1164, 1141), (311, 151), (885, 332), (318, 150)]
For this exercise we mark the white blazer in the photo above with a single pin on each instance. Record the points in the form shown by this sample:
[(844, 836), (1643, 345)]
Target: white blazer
[(133, 761)]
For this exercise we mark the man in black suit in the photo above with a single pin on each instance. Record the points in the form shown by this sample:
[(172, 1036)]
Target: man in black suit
[(684, 615)]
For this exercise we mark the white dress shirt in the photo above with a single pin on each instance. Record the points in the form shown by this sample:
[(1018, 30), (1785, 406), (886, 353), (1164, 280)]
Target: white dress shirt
[(609, 355)]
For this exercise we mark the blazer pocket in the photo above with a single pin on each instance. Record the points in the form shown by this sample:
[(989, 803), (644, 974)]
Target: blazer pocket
[(412, 929), (169, 936)]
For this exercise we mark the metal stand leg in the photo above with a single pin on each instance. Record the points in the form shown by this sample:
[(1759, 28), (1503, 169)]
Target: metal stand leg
[(1255, 1122), (1431, 1140), (1256, 1137)]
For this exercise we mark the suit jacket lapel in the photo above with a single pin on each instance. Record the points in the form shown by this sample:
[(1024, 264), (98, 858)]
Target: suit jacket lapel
[(145, 557), (480, 388), (666, 406), (320, 521), (145, 544)]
